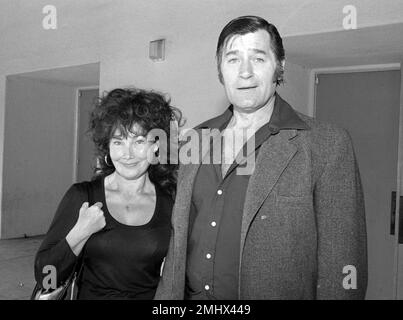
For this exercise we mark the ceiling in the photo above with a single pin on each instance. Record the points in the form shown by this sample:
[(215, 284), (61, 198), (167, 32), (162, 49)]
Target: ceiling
[(372, 45), (76, 76), (312, 29)]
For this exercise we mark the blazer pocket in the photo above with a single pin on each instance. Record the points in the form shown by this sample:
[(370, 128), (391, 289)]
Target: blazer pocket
[(295, 209), (297, 213), (292, 200)]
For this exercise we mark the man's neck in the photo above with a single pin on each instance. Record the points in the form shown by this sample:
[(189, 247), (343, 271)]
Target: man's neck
[(253, 120)]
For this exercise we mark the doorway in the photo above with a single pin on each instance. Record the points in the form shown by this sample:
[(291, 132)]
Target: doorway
[(367, 104), (39, 145)]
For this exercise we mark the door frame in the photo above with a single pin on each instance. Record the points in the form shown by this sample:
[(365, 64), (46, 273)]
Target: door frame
[(399, 179), (399, 191), (76, 129)]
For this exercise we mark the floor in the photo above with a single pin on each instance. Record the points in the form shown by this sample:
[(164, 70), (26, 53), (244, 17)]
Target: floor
[(17, 267)]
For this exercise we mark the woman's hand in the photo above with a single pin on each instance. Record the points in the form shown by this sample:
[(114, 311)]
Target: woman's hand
[(90, 220)]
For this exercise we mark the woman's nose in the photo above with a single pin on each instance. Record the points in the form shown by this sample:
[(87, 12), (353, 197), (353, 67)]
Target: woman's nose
[(130, 150)]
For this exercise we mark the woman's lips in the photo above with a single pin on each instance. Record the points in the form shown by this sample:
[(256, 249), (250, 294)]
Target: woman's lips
[(129, 164)]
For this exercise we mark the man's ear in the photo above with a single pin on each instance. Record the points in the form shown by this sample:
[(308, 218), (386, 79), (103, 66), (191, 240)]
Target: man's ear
[(279, 72), (220, 75)]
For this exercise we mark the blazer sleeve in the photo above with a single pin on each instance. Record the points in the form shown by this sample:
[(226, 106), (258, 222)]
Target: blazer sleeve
[(55, 250), (164, 289), (340, 212), (168, 288)]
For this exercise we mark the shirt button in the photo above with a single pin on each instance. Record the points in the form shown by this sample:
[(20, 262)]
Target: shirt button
[(213, 224), (208, 255), (207, 287), (219, 192)]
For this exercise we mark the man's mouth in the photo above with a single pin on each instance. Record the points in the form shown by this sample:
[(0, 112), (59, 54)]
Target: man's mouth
[(247, 88)]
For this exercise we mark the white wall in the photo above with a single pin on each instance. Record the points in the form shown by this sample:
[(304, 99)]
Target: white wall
[(38, 154), (194, 88)]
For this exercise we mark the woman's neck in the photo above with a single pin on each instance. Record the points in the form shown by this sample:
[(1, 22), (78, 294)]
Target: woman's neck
[(140, 185)]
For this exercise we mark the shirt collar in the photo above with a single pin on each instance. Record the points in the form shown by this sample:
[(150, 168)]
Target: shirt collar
[(283, 117)]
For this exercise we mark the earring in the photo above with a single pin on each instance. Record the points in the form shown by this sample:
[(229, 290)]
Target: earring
[(152, 157), (157, 157), (106, 161), (157, 154)]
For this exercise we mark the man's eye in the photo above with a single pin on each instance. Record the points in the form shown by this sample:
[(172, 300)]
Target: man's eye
[(259, 60), (232, 60)]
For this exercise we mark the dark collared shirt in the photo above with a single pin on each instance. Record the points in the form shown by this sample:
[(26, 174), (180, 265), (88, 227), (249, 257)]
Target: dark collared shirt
[(215, 222)]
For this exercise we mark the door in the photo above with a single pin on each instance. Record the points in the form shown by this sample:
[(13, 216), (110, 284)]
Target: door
[(86, 160), (367, 104)]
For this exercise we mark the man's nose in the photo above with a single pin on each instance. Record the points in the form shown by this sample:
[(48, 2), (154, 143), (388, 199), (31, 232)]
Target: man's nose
[(246, 69)]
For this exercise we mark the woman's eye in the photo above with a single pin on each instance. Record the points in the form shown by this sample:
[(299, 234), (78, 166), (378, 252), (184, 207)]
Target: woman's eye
[(232, 60), (259, 59), (117, 143), (140, 141)]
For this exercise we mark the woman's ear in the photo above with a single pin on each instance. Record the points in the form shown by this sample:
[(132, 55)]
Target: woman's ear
[(156, 146)]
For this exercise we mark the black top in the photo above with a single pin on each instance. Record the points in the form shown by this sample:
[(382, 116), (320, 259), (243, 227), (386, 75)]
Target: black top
[(212, 269), (120, 261)]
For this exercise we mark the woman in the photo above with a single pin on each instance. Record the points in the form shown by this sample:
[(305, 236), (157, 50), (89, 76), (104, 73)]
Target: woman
[(123, 235)]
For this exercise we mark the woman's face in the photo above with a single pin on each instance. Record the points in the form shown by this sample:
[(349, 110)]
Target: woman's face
[(131, 155)]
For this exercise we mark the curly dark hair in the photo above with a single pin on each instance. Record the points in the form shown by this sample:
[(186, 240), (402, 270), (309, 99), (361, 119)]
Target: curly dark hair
[(121, 109)]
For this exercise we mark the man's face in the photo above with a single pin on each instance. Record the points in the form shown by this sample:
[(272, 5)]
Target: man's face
[(248, 67)]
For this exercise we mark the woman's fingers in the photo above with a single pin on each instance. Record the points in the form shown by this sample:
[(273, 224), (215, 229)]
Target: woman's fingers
[(98, 204), (84, 207)]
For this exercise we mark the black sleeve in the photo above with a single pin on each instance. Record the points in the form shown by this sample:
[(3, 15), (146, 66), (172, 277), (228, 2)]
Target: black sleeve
[(54, 249)]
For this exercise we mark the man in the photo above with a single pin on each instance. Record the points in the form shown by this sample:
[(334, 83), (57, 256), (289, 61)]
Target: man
[(292, 229)]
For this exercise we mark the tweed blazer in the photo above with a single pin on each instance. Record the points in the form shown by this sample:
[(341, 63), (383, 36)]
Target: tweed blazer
[(303, 233)]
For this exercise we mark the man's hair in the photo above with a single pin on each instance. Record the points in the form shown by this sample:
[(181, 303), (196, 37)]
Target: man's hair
[(249, 24)]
